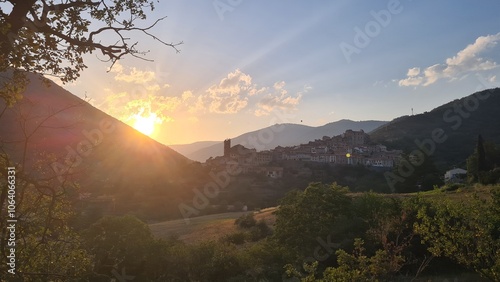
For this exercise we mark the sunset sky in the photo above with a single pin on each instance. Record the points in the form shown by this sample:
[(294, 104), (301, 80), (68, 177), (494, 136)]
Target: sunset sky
[(247, 64)]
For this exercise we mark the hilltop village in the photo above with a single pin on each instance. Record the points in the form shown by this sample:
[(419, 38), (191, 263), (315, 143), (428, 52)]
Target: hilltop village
[(349, 148)]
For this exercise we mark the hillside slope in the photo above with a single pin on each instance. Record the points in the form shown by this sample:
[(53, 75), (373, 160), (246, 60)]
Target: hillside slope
[(54, 134), (461, 121)]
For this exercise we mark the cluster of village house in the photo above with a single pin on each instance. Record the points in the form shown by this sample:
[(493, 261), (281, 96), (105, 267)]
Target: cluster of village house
[(349, 148)]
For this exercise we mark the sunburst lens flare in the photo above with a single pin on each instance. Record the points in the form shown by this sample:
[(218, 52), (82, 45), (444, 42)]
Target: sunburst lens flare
[(145, 125)]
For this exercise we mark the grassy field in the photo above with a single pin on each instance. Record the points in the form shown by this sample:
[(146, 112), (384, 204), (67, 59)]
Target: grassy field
[(208, 227)]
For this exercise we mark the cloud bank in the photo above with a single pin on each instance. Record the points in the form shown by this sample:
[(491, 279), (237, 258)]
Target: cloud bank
[(140, 93), (237, 92)]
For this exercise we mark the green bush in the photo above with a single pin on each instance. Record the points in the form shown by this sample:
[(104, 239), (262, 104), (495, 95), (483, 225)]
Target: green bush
[(237, 238), (360, 267), (489, 177), (303, 216), (119, 243), (246, 221), (465, 231), (451, 187), (259, 231)]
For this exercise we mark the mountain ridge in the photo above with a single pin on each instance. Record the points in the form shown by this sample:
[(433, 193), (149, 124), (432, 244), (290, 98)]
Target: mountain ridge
[(55, 136), (461, 120), (286, 134)]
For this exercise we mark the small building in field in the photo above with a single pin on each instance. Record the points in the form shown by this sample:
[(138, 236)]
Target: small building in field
[(456, 175)]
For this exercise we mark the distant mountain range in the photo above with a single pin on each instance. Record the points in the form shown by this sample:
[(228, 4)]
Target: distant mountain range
[(273, 136), (188, 149), (461, 121)]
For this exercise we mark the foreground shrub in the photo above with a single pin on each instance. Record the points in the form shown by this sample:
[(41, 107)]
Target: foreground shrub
[(246, 221), (466, 231), (237, 238)]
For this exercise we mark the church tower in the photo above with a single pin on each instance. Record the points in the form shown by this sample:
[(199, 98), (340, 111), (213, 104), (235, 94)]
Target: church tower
[(227, 148)]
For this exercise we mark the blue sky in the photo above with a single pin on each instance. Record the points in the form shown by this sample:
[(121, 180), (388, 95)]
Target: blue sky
[(248, 64)]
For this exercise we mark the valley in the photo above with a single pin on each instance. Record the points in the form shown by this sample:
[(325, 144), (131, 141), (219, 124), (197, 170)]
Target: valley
[(240, 141)]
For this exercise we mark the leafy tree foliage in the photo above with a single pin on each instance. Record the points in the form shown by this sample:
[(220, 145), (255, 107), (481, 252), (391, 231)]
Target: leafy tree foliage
[(386, 222), (416, 173), (481, 155), (305, 216), (206, 261), (246, 221), (353, 267), (260, 231), (466, 231), (118, 242), (43, 238), (482, 162), (51, 36), (264, 260), (237, 238), (359, 267)]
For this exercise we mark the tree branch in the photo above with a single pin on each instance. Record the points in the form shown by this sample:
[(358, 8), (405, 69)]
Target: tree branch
[(79, 4)]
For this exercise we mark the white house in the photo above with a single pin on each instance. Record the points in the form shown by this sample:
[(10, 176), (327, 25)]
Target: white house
[(455, 175)]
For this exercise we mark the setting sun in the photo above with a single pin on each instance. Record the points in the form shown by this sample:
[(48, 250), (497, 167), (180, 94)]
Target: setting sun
[(145, 125)]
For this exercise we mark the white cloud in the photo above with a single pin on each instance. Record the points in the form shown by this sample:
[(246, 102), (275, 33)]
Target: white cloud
[(307, 88), (413, 72), (153, 88), (132, 75), (140, 95), (279, 100), (279, 85), (187, 95), (237, 92), (228, 105), (255, 91), (230, 95), (470, 59)]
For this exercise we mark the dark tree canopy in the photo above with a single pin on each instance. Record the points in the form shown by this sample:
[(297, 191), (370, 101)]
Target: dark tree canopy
[(51, 36), (481, 157)]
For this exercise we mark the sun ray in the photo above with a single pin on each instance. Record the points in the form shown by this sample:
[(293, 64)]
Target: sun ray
[(145, 123)]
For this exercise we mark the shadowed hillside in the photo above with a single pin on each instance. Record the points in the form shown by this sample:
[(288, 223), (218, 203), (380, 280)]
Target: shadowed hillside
[(461, 120), (53, 135)]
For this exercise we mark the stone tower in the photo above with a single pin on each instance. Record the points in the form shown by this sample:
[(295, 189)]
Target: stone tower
[(227, 148)]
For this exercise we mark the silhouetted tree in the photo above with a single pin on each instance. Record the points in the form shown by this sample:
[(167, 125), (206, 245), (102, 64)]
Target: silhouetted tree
[(51, 36), (481, 155), (481, 164)]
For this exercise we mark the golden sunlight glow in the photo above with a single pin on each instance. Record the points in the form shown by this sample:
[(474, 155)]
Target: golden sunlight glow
[(145, 125)]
